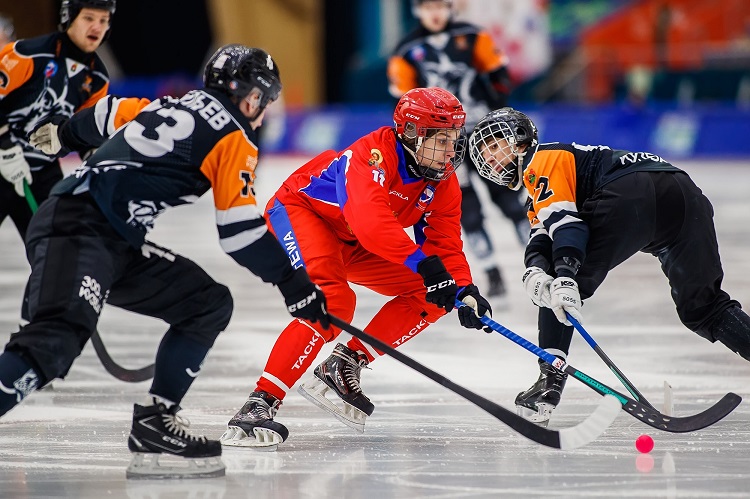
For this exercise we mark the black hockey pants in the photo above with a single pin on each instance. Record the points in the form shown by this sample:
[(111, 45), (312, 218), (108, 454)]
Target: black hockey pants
[(78, 262), (661, 213)]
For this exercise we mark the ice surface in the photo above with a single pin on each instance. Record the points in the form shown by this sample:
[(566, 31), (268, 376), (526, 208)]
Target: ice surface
[(422, 440)]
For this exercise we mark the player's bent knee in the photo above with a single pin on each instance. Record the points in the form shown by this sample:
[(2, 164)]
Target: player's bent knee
[(51, 353)]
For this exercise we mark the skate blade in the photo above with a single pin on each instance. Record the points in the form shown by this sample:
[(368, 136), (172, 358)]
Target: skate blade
[(147, 466), (539, 417), (315, 391), (264, 440)]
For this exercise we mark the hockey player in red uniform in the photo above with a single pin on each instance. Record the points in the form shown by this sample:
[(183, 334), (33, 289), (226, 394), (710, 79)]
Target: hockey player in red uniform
[(342, 216), (462, 58), (593, 208), (52, 75), (87, 246)]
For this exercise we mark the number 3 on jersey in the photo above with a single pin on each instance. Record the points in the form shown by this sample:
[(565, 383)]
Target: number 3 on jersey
[(160, 139)]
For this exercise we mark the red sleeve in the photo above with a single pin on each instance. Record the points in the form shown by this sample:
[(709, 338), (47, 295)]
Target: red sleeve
[(443, 231), (367, 209)]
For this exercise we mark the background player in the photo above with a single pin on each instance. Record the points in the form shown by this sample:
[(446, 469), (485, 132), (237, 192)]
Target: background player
[(463, 59), (593, 208), (7, 30), (52, 75), (86, 244), (342, 216)]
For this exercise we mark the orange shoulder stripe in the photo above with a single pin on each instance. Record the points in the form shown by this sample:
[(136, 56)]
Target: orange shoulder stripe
[(15, 69), (230, 167), (402, 76), (487, 57)]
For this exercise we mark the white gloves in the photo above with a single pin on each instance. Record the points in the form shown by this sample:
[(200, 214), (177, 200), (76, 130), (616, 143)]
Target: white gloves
[(14, 168), (45, 139), (564, 297), (537, 283)]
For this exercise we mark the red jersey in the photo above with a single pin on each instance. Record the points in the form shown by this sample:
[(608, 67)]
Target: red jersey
[(367, 195)]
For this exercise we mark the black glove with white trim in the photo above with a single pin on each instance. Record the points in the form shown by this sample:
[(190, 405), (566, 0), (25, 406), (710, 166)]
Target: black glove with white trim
[(477, 307), (441, 287)]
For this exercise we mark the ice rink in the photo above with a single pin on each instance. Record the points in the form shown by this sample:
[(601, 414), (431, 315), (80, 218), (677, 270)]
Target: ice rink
[(422, 440)]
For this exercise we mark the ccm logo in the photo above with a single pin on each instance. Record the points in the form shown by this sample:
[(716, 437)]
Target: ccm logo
[(440, 285), (458, 116), (412, 116), (303, 303)]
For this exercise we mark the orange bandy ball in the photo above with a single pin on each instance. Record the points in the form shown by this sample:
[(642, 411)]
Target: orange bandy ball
[(644, 444)]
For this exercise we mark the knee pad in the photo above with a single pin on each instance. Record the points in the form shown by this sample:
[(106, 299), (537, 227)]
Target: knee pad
[(205, 324), (732, 328), (51, 350)]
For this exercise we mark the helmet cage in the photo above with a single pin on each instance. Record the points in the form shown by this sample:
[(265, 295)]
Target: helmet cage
[(432, 151), (424, 113), (502, 162)]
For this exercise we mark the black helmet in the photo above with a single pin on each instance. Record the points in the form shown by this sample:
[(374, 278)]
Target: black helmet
[(236, 70), (502, 163), (70, 9)]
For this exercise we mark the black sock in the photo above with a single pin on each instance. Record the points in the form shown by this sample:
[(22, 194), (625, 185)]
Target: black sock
[(17, 380), (553, 333), (178, 362)]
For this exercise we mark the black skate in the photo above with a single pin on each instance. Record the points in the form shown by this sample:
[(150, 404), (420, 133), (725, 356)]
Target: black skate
[(495, 285), (537, 403), (158, 431), (340, 372), (253, 425)]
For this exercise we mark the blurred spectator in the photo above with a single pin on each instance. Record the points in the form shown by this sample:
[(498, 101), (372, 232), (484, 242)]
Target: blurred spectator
[(7, 31), (461, 57)]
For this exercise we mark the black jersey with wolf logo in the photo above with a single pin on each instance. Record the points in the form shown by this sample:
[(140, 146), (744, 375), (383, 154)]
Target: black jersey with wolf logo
[(170, 152), (43, 77), (461, 59)]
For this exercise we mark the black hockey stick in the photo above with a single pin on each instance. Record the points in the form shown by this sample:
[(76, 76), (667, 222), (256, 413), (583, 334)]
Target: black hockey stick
[(112, 367), (567, 438), (640, 411), (115, 369), (623, 379)]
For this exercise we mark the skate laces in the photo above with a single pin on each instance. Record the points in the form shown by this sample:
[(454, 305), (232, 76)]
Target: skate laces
[(352, 368), (259, 408), (178, 426)]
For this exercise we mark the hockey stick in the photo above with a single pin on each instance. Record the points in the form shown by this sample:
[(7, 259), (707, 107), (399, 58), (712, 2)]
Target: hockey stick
[(567, 438), (115, 369), (640, 411), (112, 367), (623, 379)]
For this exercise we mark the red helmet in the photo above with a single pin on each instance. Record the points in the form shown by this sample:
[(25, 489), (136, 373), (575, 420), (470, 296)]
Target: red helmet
[(425, 112), (423, 108)]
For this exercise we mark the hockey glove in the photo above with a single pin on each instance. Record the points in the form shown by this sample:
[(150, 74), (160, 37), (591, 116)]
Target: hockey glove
[(46, 137), (304, 299), (537, 282), (564, 297), (478, 307), (441, 287), (14, 168)]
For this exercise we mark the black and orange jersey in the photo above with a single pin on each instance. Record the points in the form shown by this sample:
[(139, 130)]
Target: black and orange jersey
[(560, 178), (43, 77), (462, 59), (170, 152)]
